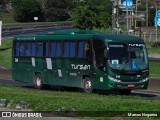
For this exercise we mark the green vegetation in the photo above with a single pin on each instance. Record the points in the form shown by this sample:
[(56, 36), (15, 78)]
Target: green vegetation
[(93, 15), (85, 14), (7, 17), (54, 100), (26, 10), (48, 10), (58, 10), (154, 69), (62, 10), (34, 23), (152, 49), (6, 51)]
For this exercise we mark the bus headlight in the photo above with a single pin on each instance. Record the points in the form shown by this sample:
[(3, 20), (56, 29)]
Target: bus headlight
[(144, 80), (113, 79)]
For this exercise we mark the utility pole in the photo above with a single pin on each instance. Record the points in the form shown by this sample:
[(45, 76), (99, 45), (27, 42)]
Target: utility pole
[(146, 12), (132, 18), (114, 15), (0, 33), (113, 19), (136, 16), (117, 16), (127, 14)]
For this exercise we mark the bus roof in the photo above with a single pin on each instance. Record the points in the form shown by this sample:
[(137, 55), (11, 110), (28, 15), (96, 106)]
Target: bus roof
[(61, 35), (118, 38), (70, 32), (53, 37), (80, 35)]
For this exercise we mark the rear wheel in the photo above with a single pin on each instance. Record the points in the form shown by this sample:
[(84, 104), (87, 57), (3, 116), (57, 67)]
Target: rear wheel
[(38, 81), (87, 86), (125, 92)]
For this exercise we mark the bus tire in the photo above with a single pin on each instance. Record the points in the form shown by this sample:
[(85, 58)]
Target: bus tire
[(38, 81), (125, 92), (87, 86)]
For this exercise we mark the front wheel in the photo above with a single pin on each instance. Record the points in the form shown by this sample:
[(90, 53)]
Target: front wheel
[(38, 81), (125, 92), (87, 86)]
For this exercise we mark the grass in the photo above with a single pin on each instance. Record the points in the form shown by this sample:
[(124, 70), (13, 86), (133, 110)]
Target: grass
[(154, 69), (54, 100), (152, 49), (6, 53), (33, 23)]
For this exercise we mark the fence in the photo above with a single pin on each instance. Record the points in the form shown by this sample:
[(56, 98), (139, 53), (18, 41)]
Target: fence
[(147, 33)]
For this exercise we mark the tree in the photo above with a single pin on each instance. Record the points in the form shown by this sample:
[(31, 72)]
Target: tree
[(83, 18), (26, 10), (58, 10), (151, 12), (92, 15), (2, 4)]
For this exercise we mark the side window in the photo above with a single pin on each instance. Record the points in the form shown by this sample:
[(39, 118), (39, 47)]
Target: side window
[(80, 49), (47, 49), (33, 51), (66, 49), (16, 49), (52, 49), (21, 49), (99, 52), (72, 49), (39, 49), (88, 51), (58, 49), (28, 49), (83, 48)]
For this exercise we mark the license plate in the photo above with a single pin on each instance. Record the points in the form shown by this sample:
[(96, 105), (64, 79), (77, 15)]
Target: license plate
[(131, 86)]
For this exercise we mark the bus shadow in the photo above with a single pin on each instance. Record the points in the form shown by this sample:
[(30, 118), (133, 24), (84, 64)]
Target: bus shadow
[(140, 94), (100, 92), (146, 95)]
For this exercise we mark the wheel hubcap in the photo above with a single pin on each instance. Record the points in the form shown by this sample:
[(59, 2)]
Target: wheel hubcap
[(38, 81), (88, 85)]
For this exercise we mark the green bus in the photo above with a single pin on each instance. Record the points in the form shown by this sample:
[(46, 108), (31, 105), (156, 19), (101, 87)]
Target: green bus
[(83, 59)]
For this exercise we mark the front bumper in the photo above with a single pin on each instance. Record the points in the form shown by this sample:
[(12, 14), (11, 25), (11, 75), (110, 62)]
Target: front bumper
[(115, 84)]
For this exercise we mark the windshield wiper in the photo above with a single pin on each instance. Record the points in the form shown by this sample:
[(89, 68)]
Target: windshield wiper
[(123, 69), (138, 69)]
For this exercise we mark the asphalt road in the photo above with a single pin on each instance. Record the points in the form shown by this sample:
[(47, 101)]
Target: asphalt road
[(154, 57)]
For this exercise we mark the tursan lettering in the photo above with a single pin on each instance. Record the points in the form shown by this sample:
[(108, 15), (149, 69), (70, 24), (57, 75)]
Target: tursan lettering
[(136, 45), (80, 67)]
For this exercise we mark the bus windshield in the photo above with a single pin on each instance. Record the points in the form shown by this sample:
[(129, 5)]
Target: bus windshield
[(127, 57)]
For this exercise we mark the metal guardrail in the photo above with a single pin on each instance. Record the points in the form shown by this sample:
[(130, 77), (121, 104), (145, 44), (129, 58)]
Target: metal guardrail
[(12, 28), (33, 29)]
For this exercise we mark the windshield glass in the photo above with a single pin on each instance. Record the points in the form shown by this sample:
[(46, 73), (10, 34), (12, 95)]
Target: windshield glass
[(130, 57)]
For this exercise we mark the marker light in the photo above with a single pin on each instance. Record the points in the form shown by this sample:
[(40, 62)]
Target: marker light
[(72, 33), (113, 79), (50, 33), (144, 80)]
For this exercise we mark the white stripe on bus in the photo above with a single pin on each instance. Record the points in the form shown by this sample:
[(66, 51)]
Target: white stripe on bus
[(49, 63), (33, 62)]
